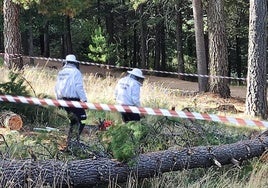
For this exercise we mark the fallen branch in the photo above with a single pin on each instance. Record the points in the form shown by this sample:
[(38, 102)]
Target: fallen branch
[(102, 170)]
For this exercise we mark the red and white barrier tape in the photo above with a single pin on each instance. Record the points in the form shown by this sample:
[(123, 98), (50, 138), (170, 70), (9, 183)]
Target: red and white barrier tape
[(121, 67), (133, 109)]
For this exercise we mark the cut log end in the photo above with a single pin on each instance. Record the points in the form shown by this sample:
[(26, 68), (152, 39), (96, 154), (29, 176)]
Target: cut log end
[(15, 122), (11, 120)]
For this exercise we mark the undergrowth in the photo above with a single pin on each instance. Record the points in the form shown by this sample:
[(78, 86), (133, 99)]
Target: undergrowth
[(123, 142), (32, 114)]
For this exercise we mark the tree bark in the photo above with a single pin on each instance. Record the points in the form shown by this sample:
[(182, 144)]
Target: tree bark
[(109, 22), (202, 67), (135, 46), (143, 36), (12, 36), (238, 58), (125, 40), (98, 171), (46, 39), (179, 35), (256, 99), (159, 39), (163, 45), (68, 36), (218, 49), (31, 40)]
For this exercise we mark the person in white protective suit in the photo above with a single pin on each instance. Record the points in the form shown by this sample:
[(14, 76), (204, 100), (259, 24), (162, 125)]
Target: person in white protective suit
[(69, 86), (127, 92)]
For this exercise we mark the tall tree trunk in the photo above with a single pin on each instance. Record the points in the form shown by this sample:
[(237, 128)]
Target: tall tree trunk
[(143, 49), (179, 36), (125, 41), (63, 50), (99, 12), (160, 51), (41, 40), (46, 39), (158, 39), (68, 36), (163, 47), (256, 100), (2, 48), (238, 58), (218, 49), (109, 21), (12, 36), (110, 27), (30, 40), (162, 31), (200, 45), (135, 46)]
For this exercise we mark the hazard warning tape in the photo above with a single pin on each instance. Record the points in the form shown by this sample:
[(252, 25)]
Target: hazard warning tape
[(133, 109), (123, 67)]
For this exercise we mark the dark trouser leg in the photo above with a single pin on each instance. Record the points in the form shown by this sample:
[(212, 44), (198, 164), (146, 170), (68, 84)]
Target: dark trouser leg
[(76, 115), (80, 129), (70, 132), (124, 117), (69, 137), (130, 117)]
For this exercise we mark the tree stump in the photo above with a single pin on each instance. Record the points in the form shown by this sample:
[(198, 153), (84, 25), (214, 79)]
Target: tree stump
[(10, 120)]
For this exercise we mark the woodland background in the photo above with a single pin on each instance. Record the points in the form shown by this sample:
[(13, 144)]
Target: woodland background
[(217, 38), (146, 34)]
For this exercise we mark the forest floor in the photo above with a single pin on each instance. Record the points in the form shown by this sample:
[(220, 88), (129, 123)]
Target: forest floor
[(169, 82)]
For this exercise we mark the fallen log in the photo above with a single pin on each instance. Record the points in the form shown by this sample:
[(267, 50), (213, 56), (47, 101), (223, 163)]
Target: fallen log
[(10, 120), (90, 172)]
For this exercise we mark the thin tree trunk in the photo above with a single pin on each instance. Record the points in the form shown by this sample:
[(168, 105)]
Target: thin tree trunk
[(125, 41), (68, 37), (109, 21), (41, 40), (143, 49), (30, 40), (2, 42), (200, 45), (158, 28), (63, 50), (179, 36), (99, 12), (46, 39), (163, 43), (94, 172), (135, 47), (110, 27), (238, 57), (2, 48)]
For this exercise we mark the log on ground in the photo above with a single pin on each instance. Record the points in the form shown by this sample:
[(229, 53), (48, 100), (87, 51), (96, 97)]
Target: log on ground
[(90, 172), (10, 120)]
